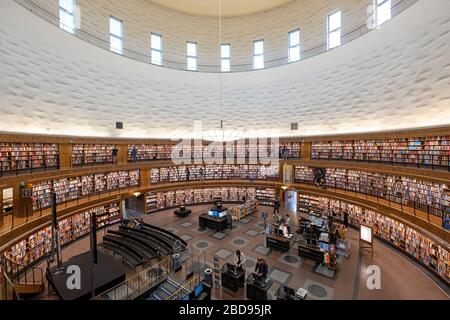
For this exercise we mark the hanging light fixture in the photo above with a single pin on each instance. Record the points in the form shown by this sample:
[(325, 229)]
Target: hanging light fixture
[(221, 134)]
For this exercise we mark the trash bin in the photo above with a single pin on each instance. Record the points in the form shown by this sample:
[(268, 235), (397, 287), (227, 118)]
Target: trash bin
[(208, 273), (176, 262)]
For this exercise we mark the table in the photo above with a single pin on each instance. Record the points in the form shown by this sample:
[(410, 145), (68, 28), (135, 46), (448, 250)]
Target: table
[(256, 292), (278, 242), (205, 220), (309, 252), (230, 279), (182, 213)]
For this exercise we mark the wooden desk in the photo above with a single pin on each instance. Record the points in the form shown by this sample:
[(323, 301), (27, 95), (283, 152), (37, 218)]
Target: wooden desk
[(205, 220), (257, 292), (308, 252), (182, 213), (231, 280), (278, 242)]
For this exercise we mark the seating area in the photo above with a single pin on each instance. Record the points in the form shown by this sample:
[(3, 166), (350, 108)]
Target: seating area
[(140, 245)]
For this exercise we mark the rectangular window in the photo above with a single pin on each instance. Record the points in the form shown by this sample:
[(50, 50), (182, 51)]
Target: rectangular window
[(116, 35), (294, 46), (191, 56), (382, 11), (258, 54), (156, 48), (225, 58), (67, 15), (334, 26)]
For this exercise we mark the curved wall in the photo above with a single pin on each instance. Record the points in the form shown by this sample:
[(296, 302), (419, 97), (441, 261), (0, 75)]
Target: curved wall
[(141, 17), (54, 83)]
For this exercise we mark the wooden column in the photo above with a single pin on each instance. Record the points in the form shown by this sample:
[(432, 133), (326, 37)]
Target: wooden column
[(145, 178), (1, 207), (65, 156), (122, 156), (22, 206), (305, 151)]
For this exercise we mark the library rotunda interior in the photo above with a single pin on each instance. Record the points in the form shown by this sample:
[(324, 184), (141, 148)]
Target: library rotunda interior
[(225, 150)]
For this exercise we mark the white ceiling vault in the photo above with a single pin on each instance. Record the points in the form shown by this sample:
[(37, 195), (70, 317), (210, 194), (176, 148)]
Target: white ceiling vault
[(58, 84), (229, 7)]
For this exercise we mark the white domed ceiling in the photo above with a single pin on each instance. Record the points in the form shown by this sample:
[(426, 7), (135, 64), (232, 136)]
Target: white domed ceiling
[(229, 7), (392, 78)]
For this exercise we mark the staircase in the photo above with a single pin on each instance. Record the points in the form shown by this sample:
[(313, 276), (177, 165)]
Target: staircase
[(24, 282)]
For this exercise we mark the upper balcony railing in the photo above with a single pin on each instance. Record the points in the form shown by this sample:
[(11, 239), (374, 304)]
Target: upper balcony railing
[(50, 17)]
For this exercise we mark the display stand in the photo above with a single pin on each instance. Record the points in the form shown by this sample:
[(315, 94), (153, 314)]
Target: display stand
[(217, 272), (366, 239)]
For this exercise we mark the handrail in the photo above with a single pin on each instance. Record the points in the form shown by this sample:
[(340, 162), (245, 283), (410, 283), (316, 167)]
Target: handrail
[(306, 54), (138, 284), (19, 273), (12, 285), (187, 287)]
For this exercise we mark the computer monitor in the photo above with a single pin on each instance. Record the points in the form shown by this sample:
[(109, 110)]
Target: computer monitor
[(289, 291), (198, 289)]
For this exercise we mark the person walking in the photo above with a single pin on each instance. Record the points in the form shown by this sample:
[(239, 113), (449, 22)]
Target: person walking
[(346, 219), (229, 221)]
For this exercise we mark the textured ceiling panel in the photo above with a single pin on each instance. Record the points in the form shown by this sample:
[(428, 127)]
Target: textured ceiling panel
[(228, 7), (392, 78)]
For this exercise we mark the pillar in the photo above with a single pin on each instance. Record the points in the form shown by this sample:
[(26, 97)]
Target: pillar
[(305, 151), (1, 206), (22, 202), (122, 155), (65, 156)]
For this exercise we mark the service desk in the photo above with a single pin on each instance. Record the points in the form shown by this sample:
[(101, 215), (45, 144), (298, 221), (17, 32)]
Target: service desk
[(310, 252), (278, 242), (205, 220), (182, 213), (232, 279), (257, 292)]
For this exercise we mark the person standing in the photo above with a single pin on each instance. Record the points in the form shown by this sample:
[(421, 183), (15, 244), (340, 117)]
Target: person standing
[(346, 219), (229, 220), (239, 262), (134, 153), (276, 206), (287, 222), (188, 174)]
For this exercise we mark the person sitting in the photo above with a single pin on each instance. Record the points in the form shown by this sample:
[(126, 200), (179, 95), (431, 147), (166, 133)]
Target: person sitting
[(261, 270)]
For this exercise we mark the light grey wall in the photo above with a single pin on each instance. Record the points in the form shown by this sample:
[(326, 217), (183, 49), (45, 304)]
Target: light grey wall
[(394, 77), (141, 17)]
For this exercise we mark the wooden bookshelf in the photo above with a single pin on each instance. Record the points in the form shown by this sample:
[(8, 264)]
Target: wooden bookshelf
[(148, 152), (426, 151), (213, 172), (68, 189), (293, 150), (404, 238), (424, 195), (265, 196), (190, 196), (92, 154), (7, 201), (38, 244), (19, 157)]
